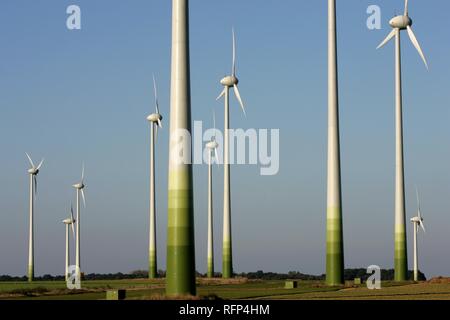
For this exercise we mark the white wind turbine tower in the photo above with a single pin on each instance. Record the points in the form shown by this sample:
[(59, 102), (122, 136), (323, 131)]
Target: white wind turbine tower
[(155, 122), (417, 222), (399, 23), (228, 82), (212, 148), (79, 187), (33, 172), (68, 222)]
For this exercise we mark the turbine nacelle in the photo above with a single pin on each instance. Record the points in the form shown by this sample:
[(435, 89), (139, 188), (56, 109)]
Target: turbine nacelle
[(69, 221), (401, 22), (416, 220), (229, 81), (155, 118), (212, 145), (79, 186), (33, 171)]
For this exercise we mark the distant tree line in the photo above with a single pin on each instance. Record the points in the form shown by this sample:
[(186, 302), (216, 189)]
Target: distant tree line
[(386, 274), (349, 274), (292, 275), (139, 274)]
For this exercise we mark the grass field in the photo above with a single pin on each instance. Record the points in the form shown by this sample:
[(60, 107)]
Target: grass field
[(235, 289)]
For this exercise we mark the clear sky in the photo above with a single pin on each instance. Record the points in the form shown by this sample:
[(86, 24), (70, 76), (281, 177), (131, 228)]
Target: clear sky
[(71, 96)]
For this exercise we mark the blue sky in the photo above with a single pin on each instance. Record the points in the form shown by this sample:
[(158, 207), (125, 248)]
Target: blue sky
[(71, 96)]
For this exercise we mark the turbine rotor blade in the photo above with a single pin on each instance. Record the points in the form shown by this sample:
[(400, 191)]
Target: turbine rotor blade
[(233, 71), (159, 123), (156, 95), (418, 201), (406, 7), (221, 94), (29, 159), (214, 123), (238, 96), (416, 44), (84, 198), (71, 214), (40, 164), (35, 186), (388, 38), (156, 132), (82, 173), (71, 211), (216, 156), (423, 227), (73, 231)]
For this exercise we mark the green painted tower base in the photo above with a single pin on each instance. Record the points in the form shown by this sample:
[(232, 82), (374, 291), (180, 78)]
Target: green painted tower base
[(400, 259), (152, 268), (335, 249), (180, 244), (335, 272), (227, 261), (210, 273), (30, 273)]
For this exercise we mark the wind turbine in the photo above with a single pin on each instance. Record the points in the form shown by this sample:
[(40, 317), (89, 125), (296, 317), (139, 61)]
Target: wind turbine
[(335, 239), (79, 187), (399, 23), (180, 214), (155, 122), (69, 222), (228, 82), (33, 172), (212, 148), (417, 222)]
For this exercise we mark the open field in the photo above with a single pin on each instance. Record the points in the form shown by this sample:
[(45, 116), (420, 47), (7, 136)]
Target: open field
[(237, 289)]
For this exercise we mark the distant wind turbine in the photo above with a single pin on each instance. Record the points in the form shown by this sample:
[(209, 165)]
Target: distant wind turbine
[(155, 122), (212, 148), (399, 23), (68, 222), (33, 172), (417, 222), (79, 187), (228, 82)]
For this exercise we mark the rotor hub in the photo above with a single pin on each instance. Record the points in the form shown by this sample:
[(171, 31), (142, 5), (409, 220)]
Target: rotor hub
[(79, 186), (154, 117), (68, 221)]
